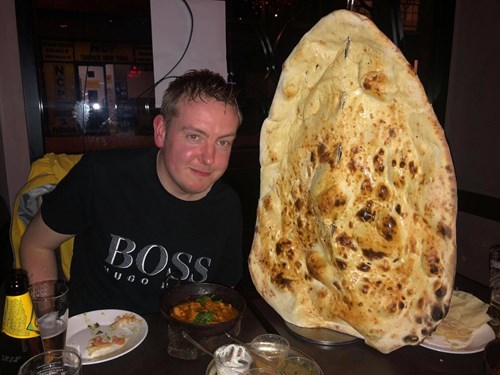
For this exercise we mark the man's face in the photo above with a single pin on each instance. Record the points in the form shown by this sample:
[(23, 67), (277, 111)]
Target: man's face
[(195, 147)]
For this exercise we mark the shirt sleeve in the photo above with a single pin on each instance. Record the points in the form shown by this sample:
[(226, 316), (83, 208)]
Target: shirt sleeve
[(66, 208)]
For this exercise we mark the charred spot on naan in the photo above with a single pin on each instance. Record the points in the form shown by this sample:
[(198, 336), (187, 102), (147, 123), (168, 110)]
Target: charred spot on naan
[(280, 280), (388, 227), (377, 83), (284, 246), (444, 230)]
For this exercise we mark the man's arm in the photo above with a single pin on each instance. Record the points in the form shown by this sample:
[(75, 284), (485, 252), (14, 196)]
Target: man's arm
[(37, 250)]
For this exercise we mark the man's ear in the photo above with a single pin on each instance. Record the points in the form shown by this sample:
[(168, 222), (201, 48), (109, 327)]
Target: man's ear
[(159, 128)]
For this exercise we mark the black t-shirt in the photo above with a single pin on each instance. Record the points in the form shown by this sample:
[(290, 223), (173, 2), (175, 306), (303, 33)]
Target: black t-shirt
[(130, 232)]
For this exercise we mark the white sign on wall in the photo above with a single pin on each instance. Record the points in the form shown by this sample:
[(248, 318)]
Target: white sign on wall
[(172, 25)]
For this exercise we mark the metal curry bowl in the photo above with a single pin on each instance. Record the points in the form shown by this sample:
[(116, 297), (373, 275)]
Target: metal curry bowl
[(185, 292)]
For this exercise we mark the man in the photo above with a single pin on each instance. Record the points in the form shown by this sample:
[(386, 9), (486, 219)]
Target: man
[(141, 216)]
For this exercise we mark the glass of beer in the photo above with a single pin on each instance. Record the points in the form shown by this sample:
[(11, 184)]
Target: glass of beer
[(53, 362), (494, 309), (50, 301)]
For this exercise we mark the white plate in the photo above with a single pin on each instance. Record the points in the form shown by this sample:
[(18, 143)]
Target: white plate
[(80, 332), (478, 340)]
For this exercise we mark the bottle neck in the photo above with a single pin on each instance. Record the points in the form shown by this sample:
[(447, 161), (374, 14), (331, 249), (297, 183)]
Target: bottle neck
[(17, 283)]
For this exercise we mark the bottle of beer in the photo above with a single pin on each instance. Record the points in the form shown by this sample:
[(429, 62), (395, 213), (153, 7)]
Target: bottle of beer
[(20, 338)]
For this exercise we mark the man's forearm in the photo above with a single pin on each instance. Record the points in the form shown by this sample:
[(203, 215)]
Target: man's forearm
[(40, 264)]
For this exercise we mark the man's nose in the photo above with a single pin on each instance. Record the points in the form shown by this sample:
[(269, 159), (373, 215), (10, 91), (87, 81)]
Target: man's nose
[(208, 153)]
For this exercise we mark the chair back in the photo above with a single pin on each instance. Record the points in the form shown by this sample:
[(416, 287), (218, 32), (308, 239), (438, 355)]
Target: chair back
[(45, 174)]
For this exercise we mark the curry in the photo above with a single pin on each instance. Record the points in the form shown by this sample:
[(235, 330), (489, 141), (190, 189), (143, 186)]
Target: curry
[(204, 310)]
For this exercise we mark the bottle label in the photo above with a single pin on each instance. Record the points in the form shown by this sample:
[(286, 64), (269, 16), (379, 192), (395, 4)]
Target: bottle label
[(19, 318)]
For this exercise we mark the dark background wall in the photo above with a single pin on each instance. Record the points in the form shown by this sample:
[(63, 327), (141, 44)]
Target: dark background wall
[(473, 130), (466, 102)]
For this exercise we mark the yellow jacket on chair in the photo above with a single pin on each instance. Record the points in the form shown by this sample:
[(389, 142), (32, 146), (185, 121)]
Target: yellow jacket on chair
[(45, 174)]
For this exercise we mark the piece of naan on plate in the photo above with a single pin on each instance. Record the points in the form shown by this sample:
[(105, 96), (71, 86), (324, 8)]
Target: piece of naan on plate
[(356, 218), (107, 340), (466, 315)]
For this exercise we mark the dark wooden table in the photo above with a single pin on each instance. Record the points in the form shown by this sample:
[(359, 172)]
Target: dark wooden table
[(355, 358), (151, 357)]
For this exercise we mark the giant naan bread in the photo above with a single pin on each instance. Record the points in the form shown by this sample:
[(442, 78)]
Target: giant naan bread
[(356, 217)]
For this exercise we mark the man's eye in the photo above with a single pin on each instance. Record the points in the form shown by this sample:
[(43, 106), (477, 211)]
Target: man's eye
[(225, 144), (193, 137)]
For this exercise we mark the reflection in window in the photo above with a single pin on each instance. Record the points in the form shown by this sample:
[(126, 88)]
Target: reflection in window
[(409, 11), (101, 98)]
